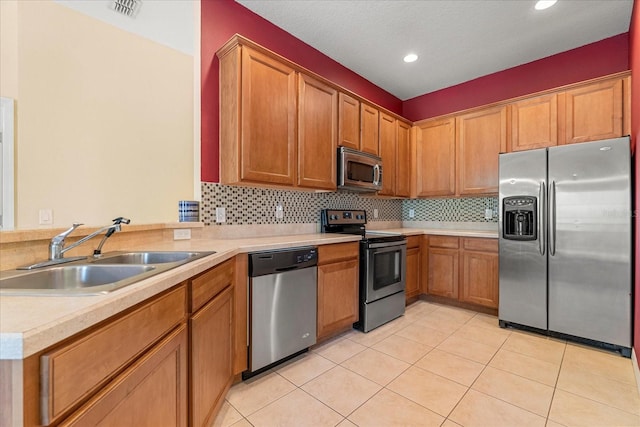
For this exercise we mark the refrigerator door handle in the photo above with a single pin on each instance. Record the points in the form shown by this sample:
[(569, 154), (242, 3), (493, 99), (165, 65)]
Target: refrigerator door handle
[(552, 214), (541, 218)]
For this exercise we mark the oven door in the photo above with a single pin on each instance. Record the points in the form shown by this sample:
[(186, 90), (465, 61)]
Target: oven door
[(384, 269)]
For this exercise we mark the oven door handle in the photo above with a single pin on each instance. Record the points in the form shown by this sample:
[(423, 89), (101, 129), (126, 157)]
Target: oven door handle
[(386, 244)]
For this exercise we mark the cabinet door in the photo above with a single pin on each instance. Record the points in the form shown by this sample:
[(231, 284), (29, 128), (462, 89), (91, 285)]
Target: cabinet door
[(268, 120), (534, 123), (480, 278), (317, 134), (369, 129), (403, 160), (388, 143), (443, 272), (337, 296), (348, 121), (211, 356), (593, 112), (436, 158), (481, 137), (413, 273), (152, 392)]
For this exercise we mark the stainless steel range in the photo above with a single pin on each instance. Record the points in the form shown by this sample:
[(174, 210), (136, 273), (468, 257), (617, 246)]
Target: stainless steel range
[(382, 267)]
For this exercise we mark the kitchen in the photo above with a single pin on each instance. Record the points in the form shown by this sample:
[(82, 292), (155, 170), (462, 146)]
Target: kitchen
[(121, 195)]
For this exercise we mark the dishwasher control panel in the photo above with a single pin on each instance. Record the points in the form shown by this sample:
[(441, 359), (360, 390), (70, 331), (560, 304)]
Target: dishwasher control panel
[(279, 261)]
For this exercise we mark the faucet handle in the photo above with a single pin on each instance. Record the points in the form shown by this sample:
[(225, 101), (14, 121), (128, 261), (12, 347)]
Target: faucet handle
[(60, 237)]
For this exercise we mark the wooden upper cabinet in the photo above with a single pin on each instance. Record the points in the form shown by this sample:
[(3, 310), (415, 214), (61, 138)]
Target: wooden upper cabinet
[(481, 137), (268, 119), (388, 145), (403, 160), (369, 142), (593, 112), (348, 121), (258, 97), (435, 169), (317, 134), (534, 123)]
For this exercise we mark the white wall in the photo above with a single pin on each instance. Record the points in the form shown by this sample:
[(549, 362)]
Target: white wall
[(105, 116)]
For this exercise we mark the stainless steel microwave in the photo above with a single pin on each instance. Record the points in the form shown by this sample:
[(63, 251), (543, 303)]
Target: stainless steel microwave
[(358, 171)]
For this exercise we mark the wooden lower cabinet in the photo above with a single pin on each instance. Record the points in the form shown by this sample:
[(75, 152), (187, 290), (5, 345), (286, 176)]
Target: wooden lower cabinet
[(480, 278), (338, 269), (152, 392), (412, 279), (443, 272), (211, 356), (464, 269)]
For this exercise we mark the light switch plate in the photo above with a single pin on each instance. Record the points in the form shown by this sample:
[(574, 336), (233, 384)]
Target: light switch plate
[(182, 234), (279, 211), (45, 217), (412, 213), (221, 215), (488, 213), (375, 213)]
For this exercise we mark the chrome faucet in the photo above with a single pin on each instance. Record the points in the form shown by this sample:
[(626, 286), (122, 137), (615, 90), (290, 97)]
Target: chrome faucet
[(57, 248)]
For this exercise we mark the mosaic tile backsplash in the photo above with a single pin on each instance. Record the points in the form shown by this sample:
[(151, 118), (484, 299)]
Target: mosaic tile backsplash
[(246, 206), (466, 209)]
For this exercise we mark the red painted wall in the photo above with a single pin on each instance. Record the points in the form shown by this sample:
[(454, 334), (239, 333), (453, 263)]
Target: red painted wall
[(607, 56), (221, 19), (634, 59)]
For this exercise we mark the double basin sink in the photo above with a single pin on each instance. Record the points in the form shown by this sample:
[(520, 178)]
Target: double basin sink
[(93, 276)]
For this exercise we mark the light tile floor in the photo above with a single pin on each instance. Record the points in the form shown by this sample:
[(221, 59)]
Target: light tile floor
[(440, 366)]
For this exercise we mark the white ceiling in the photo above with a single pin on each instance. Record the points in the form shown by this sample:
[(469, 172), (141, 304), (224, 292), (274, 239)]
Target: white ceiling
[(456, 40)]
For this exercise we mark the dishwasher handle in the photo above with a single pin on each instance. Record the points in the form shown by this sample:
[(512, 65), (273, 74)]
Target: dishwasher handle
[(284, 269)]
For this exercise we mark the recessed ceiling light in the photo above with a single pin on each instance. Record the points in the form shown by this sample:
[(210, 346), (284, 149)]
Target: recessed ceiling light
[(544, 4), (412, 57)]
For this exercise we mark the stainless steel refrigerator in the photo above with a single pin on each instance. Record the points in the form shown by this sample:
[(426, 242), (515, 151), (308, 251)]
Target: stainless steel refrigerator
[(565, 242)]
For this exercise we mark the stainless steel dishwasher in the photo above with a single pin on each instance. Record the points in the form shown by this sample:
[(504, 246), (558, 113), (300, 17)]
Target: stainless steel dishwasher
[(282, 305)]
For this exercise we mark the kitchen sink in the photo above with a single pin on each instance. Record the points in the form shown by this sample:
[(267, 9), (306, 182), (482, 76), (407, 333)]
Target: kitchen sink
[(148, 257), (93, 277), (76, 279)]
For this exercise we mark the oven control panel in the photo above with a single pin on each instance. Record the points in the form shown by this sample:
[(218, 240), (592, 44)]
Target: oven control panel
[(343, 217)]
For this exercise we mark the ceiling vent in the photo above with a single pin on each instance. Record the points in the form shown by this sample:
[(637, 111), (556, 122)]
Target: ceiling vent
[(129, 8)]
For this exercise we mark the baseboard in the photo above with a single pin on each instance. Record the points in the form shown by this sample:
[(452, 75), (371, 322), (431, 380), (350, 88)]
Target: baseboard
[(636, 368)]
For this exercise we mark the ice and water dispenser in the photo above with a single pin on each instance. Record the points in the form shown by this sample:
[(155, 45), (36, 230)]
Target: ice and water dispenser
[(520, 218)]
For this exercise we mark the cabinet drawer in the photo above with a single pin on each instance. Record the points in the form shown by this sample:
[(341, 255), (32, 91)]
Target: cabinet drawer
[(210, 283), (337, 252), (152, 391), (443, 242), (482, 245), (75, 370), (413, 241)]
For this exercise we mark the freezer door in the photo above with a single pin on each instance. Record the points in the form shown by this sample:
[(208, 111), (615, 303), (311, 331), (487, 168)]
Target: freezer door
[(590, 241), (523, 261)]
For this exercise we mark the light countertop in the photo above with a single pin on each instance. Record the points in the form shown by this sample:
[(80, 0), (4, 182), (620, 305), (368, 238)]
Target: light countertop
[(29, 324)]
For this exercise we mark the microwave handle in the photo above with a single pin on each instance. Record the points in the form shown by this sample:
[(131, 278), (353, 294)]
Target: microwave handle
[(377, 174)]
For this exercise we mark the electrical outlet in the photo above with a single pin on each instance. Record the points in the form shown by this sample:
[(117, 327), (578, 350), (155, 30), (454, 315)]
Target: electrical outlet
[(279, 211), (182, 234), (375, 213), (488, 213), (45, 216), (412, 213), (221, 215)]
